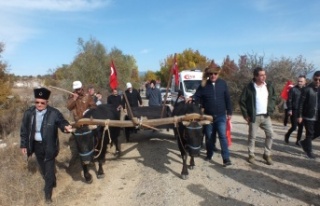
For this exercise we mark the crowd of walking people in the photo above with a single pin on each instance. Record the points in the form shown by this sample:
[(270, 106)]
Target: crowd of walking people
[(257, 103)]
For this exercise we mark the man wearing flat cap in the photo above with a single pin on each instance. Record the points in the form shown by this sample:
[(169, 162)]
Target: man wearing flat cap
[(213, 94), (39, 135)]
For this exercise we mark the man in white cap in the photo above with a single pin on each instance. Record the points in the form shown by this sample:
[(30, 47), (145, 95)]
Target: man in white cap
[(133, 97), (79, 102), (135, 100)]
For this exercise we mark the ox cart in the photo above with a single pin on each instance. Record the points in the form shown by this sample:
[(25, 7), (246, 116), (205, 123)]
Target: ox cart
[(147, 113), (187, 121)]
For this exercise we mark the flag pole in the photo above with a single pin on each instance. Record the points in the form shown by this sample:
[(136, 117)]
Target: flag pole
[(169, 83), (60, 89)]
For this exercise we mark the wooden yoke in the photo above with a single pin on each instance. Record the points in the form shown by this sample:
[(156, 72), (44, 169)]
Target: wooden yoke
[(150, 123)]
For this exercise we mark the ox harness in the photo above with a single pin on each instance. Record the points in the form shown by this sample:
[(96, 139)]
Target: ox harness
[(85, 141), (192, 134)]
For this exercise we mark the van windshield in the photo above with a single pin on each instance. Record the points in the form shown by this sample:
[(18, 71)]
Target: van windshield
[(191, 85)]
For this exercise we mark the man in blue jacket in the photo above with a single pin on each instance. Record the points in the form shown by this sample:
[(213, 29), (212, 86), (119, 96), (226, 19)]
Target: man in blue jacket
[(39, 135), (153, 94), (257, 103), (213, 94)]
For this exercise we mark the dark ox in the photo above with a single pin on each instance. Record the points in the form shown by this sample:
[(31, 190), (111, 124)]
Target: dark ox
[(189, 136), (92, 144)]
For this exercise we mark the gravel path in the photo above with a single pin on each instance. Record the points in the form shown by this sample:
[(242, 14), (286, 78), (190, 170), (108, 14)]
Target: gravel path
[(148, 173)]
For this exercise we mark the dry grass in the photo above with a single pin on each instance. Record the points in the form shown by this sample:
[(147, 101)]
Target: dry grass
[(19, 184), (20, 179)]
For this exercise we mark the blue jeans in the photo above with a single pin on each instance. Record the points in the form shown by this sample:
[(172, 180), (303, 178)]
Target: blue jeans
[(219, 126)]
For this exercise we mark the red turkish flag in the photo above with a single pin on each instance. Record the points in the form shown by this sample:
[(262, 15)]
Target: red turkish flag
[(113, 76), (175, 71), (228, 132), (286, 89)]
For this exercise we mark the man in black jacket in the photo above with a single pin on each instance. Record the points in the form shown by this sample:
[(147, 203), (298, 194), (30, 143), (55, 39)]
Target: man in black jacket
[(115, 99), (133, 97), (257, 103), (39, 135), (309, 111), (293, 104)]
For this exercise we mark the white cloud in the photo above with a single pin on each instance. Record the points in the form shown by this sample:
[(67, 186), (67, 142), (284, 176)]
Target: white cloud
[(18, 25), (54, 5), (265, 5), (145, 51)]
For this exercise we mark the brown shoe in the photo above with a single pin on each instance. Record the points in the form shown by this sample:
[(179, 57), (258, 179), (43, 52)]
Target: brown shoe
[(268, 159), (251, 159)]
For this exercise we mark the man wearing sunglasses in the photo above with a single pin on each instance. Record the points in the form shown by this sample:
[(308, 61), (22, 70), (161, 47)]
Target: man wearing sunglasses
[(39, 135), (309, 111), (213, 94)]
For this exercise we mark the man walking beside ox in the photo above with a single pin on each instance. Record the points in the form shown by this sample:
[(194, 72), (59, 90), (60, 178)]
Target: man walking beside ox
[(215, 99), (39, 135)]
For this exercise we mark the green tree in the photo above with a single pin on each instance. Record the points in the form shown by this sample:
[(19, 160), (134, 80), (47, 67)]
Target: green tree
[(229, 70), (89, 66), (126, 67), (150, 75), (92, 66), (188, 59), (4, 79)]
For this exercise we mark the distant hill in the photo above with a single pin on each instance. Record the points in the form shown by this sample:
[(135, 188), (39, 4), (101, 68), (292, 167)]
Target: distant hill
[(142, 73)]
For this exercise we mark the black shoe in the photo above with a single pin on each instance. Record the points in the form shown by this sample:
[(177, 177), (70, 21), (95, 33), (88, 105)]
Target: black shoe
[(48, 199), (208, 158), (302, 144), (298, 143), (286, 139), (311, 155), (227, 163)]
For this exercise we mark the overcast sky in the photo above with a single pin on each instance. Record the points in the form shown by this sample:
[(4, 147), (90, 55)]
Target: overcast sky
[(42, 34)]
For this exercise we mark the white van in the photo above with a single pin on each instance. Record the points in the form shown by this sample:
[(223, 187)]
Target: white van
[(189, 81)]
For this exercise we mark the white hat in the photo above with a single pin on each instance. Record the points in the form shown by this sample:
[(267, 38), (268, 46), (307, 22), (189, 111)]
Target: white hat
[(129, 85), (76, 85)]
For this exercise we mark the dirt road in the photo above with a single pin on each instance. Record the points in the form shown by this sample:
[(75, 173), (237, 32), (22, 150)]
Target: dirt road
[(148, 173)]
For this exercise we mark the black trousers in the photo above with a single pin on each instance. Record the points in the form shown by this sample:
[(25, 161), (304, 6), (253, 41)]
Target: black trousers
[(294, 125), (312, 132), (47, 168), (286, 117)]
